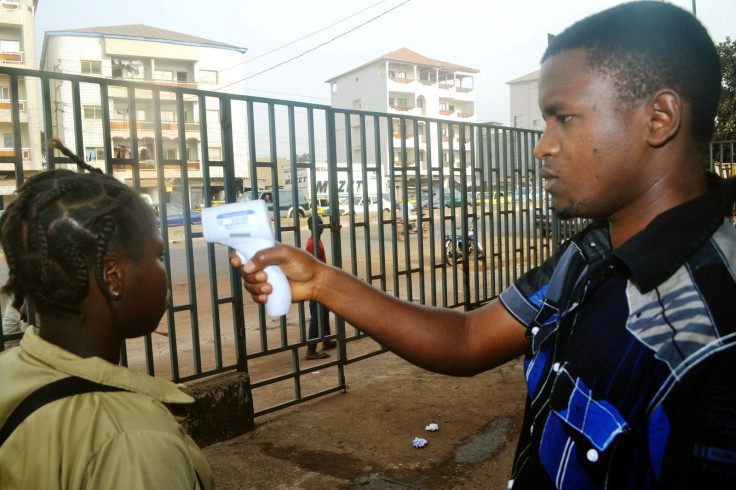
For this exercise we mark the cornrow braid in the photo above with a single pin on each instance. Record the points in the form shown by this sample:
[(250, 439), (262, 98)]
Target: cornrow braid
[(55, 143), (59, 230)]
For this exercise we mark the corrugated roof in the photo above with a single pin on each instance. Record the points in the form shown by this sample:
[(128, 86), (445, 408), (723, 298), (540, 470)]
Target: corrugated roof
[(529, 77), (148, 33), (409, 56)]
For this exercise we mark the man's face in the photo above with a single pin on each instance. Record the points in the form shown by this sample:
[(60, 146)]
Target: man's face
[(592, 146)]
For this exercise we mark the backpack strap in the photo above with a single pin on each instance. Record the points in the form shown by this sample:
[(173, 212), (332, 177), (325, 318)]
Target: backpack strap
[(53, 391)]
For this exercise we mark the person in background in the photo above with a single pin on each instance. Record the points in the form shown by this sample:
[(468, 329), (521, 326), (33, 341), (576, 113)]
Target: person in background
[(83, 249), (317, 312), (628, 329), (14, 321)]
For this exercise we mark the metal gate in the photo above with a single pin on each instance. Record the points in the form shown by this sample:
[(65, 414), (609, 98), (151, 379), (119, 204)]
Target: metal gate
[(182, 148)]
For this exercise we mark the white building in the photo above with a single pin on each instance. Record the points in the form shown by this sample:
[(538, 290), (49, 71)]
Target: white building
[(406, 83), (145, 54), (17, 49), (524, 102)]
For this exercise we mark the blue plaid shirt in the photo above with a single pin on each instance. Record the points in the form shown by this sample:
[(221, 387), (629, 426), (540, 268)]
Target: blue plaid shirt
[(631, 370)]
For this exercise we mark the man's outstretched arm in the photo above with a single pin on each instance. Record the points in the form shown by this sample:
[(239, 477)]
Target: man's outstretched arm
[(438, 339)]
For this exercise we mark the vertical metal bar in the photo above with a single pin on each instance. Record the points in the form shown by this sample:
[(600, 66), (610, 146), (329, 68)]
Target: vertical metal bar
[(160, 175), (211, 262)]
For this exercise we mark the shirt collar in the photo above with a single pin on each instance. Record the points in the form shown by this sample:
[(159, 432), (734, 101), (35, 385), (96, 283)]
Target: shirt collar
[(100, 371), (655, 253)]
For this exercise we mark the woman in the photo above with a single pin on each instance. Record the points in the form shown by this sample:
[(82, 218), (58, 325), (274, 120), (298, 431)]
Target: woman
[(85, 252)]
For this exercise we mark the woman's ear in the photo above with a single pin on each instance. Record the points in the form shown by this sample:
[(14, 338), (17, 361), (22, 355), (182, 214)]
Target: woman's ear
[(665, 117), (113, 277)]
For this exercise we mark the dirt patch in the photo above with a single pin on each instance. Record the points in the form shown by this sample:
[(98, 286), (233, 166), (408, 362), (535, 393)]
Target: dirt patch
[(363, 438)]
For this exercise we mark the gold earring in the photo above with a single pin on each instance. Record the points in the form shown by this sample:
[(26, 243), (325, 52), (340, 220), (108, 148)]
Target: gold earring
[(116, 293)]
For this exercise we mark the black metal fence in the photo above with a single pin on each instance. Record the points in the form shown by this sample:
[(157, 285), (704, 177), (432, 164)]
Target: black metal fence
[(433, 211)]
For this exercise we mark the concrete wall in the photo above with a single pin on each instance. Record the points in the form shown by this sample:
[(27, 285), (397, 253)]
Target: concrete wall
[(223, 408)]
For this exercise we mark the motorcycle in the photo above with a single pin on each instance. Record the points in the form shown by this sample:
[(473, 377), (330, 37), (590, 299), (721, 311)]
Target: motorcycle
[(454, 246)]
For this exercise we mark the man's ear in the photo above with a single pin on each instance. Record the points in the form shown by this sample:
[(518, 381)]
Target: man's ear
[(665, 117), (113, 277)]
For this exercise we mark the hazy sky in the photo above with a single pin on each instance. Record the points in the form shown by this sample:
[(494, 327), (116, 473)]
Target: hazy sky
[(502, 39)]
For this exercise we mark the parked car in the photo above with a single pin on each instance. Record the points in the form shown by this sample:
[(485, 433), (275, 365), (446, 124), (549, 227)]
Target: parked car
[(530, 194), (286, 204), (175, 214), (450, 199), (568, 228), (386, 205), (323, 206), (498, 197)]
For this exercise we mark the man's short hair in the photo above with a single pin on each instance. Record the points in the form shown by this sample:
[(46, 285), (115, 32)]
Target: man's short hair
[(648, 46), (317, 219)]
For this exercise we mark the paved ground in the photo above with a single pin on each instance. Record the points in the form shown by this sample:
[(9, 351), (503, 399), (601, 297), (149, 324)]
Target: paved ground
[(363, 438)]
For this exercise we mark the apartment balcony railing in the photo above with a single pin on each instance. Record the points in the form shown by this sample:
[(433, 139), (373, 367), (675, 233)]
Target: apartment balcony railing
[(116, 125), (11, 57), (8, 152), (5, 104)]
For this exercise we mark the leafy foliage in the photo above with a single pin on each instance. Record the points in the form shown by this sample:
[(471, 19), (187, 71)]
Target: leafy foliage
[(725, 127)]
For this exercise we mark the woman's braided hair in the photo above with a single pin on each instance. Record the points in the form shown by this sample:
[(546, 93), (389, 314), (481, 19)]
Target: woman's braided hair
[(59, 230)]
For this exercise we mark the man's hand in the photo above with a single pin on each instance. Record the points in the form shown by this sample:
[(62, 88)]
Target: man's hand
[(301, 268)]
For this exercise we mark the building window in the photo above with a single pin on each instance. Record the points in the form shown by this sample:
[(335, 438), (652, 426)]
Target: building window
[(90, 67), (214, 153), (165, 75), (181, 77), (140, 114), (8, 140), (8, 46), (207, 76), (170, 153), (213, 116), (5, 93), (168, 116), (92, 112), (94, 154)]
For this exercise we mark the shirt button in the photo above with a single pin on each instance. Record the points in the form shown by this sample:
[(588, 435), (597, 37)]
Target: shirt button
[(592, 455), (535, 330), (556, 367)]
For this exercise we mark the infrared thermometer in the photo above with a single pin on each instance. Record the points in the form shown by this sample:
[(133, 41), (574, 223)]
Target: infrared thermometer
[(246, 228)]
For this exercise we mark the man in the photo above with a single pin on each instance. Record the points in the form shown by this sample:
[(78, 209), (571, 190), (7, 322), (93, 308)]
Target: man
[(627, 331)]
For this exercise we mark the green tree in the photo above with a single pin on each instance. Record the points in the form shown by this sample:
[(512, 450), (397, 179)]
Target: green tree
[(725, 128), (303, 158)]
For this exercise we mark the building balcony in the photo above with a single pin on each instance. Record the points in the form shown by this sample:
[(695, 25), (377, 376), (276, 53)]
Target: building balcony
[(11, 58), (9, 152), (5, 105), (150, 126)]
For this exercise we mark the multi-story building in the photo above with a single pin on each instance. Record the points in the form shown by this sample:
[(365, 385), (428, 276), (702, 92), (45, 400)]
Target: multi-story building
[(141, 53), (524, 102), (17, 49), (406, 83)]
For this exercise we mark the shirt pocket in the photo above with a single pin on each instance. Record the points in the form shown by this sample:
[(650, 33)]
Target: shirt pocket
[(578, 436)]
